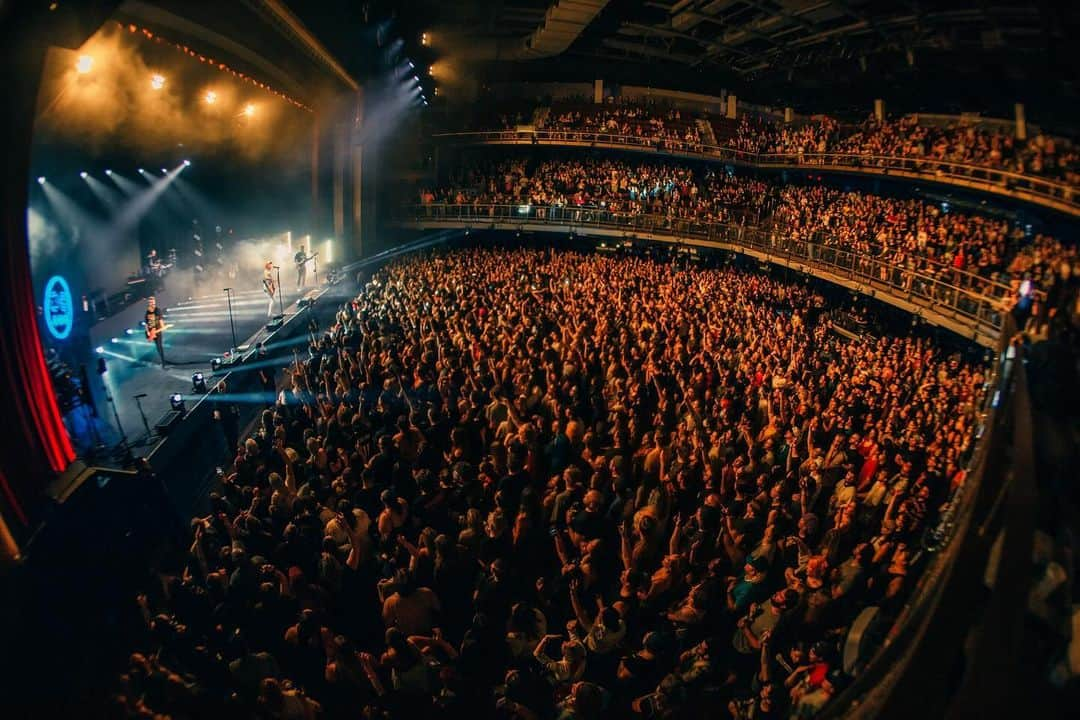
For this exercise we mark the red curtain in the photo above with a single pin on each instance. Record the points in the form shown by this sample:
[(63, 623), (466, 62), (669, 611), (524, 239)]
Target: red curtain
[(34, 444)]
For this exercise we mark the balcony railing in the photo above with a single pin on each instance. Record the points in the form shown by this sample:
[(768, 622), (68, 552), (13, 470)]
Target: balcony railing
[(976, 302), (1044, 191)]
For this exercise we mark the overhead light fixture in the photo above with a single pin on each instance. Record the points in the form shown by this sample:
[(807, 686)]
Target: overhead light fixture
[(41, 180), (249, 109), (186, 163), (83, 174), (108, 172), (210, 97), (141, 170), (84, 64), (157, 81)]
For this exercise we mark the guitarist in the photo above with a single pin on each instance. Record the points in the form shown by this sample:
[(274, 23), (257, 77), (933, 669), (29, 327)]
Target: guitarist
[(155, 327), (268, 286), (301, 260)]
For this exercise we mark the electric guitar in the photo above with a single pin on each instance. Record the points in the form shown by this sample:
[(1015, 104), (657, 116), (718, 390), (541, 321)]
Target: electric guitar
[(301, 260), (152, 333), (269, 287)]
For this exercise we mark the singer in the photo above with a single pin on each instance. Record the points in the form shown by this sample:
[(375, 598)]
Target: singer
[(268, 286)]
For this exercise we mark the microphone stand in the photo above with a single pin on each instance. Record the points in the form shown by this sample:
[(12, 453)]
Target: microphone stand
[(281, 303), (116, 416), (232, 324), (146, 424)]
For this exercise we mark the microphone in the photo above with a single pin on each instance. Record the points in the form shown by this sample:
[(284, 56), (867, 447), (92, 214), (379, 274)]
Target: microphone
[(276, 267), (225, 289), (141, 395)]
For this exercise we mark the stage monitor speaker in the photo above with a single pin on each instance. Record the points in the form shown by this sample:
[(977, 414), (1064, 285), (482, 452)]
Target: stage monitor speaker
[(167, 422)]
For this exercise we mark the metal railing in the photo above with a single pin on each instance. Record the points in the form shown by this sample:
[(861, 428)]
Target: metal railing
[(1045, 191), (977, 300)]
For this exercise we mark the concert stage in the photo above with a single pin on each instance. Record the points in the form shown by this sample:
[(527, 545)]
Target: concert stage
[(199, 331)]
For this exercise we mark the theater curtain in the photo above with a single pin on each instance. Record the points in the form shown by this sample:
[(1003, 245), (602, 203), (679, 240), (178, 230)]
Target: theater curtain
[(34, 444)]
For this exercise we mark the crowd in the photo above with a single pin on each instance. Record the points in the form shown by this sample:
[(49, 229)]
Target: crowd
[(622, 188), (961, 248), (964, 142), (664, 128), (918, 235), (535, 484), (967, 143), (760, 135)]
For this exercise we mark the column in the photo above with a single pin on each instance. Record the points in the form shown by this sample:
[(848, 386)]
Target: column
[(879, 110), (339, 181), (789, 115), (732, 102), (1021, 121), (315, 224), (598, 92)]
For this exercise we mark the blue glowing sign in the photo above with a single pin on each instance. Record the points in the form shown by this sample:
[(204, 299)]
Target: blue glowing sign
[(59, 309)]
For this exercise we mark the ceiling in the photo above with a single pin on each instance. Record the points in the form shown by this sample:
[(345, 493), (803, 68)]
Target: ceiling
[(813, 54)]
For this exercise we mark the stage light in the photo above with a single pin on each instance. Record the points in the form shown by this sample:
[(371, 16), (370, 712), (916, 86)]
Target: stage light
[(431, 70), (108, 172), (186, 163), (157, 81), (416, 79), (198, 382), (115, 340), (129, 331), (84, 64), (164, 171), (176, 400), (210, 97), (99, 350), (41, 180), (215, 364), (141, 171), (83, 174), (425, 39), (411, 66), (436, 92), (249, 109)]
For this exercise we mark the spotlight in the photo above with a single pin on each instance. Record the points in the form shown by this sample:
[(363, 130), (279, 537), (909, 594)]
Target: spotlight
[(115, 340), (164, 171), (84, 64), (41, 180), (108, 172), (129, 331), (99, 349), (186, 163), (411, 66), (157, 81), (215, 364), (436, 92), (83, 174), (249, 109), (141, 171), (431, 70), (177, 402), (198, 382), (416, 79), (210, 97), (425, 39)]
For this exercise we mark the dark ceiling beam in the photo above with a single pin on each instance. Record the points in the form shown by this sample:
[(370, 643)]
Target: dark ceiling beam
[(639, 29), (647, 50), (859, 15), (784, 13)]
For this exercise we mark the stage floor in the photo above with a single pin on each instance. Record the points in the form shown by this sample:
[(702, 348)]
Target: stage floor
[(199, 331)]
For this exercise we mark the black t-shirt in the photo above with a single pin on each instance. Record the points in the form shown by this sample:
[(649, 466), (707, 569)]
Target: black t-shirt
[(153, 319)]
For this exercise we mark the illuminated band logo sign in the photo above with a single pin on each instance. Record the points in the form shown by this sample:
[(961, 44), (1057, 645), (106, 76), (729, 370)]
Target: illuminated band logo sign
[(59, 309)]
